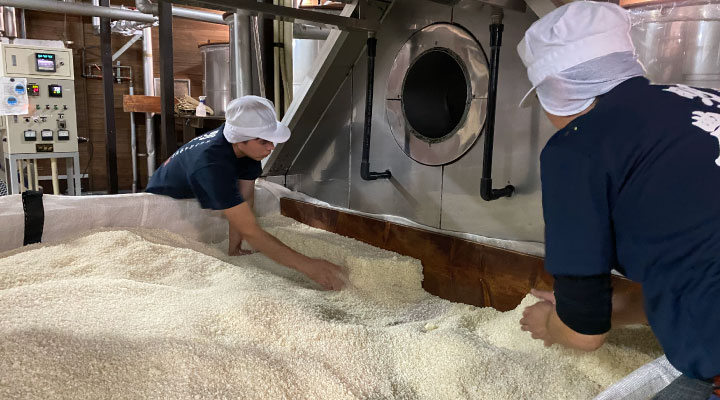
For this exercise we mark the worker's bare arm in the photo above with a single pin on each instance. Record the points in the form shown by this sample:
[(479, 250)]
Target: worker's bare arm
[(247, 191), (542, 321), (242, 219)]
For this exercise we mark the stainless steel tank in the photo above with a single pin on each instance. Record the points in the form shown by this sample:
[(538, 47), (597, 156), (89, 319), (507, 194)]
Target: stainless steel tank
[(216, 82), (679, 44)]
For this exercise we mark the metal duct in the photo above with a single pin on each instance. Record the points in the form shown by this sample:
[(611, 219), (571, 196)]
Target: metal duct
[(2, 21), (10, 22), (149, 90), (240, 61), (78, 9), (147, 7)]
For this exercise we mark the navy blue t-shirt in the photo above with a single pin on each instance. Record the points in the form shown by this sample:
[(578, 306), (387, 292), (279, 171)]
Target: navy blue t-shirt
[(635, 185), (205, 168)]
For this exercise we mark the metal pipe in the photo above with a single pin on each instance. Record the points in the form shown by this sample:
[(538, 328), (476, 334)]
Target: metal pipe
[(37, 172), (365, 163), (486, 191), (289, 14), (79, 9), (10, 22), (22, 27), (55, 182), (107, 73), (2, 21), (149, 89), (167, 94), (96, 20), (22, 177), (240, 61), (197, 15), (258, 56), (133, 139), (147, 7), (30, 180)]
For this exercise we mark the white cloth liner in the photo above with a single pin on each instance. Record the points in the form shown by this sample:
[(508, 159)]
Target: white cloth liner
[(69, 215), (643, 383)]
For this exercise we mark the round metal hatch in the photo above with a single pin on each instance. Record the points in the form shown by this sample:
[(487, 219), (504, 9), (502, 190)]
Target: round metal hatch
[(437, 94)]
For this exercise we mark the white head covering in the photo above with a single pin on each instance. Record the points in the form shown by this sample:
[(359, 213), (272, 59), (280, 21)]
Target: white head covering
[(576, 53), (253, 117)]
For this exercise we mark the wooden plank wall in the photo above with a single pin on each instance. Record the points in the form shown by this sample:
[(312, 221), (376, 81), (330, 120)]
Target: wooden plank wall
[(89, 92), (454, 269)]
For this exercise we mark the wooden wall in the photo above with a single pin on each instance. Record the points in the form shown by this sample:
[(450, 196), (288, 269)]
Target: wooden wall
[(89, 92)]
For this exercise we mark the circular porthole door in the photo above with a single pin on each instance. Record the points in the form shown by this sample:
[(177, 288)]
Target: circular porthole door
[(437, 94)]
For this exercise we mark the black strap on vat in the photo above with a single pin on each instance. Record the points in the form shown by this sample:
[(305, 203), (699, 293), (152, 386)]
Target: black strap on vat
[(34, 216)]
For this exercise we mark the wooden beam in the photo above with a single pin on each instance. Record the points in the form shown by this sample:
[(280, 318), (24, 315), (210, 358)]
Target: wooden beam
[(143, 104)]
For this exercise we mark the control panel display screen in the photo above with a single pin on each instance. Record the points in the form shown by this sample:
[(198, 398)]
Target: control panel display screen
[(45, 62), (54, 90), (33, 89)]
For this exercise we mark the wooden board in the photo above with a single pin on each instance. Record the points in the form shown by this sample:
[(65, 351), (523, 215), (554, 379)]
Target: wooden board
[(454, 269), (143, 104)]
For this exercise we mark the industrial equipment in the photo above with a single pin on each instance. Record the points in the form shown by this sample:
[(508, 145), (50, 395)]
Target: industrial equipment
[(37, 114)]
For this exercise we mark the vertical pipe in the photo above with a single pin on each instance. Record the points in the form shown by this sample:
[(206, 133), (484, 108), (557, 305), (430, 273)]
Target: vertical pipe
[(365, 163), (107, 73), (95, 20), (241, 63), (167, 94), (276, 68), (486, 191), (287, 52), (10, 22), (30, 179), (37, 178), (22, 26), (258, 55), (2, 21), (149, 89), (22, 177), (133, 140), (55, 182)]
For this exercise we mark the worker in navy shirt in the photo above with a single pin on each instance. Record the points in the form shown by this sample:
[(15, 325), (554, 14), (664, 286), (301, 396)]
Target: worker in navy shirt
[(219, 169), (631, 182)]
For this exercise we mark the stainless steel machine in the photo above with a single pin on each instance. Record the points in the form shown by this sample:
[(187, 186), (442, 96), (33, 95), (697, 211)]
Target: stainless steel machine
[(39, 118), (431, 75)]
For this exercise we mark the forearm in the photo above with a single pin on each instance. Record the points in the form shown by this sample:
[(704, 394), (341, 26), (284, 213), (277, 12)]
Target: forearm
[(276, 250)]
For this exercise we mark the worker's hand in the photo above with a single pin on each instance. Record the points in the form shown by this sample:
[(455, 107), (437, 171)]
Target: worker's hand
[(327, 274), (235, 240), (544, 295), (235, 249), (535, 320)]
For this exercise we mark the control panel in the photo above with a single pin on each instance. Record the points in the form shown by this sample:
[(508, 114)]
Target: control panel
[(41, 79)]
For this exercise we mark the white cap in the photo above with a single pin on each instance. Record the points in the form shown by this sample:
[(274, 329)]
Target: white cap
[(571, 35), (253, 117)]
